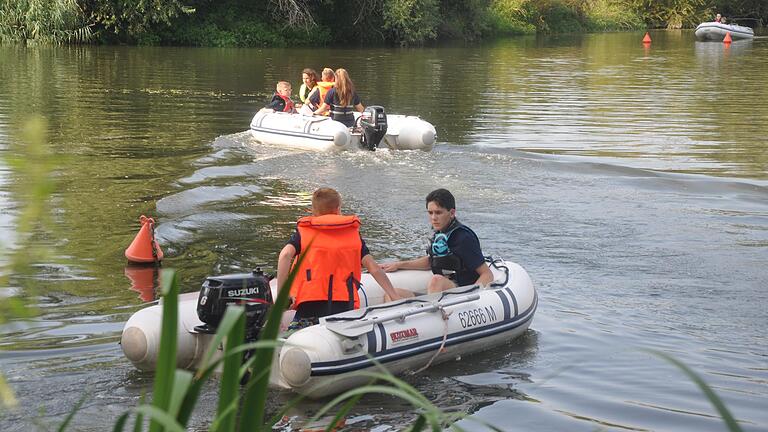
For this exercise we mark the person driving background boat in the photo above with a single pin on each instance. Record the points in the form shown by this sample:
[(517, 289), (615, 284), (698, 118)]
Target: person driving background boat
[(718, 18), (281, 101), (342, 100), (454, 253), (329, 277), (309, 82)]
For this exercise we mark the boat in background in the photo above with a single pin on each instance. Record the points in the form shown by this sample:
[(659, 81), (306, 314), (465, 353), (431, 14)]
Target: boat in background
[(715, 31), (376, 129), (327, 358)]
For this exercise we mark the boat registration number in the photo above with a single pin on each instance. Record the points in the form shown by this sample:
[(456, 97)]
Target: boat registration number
[(477, 316)]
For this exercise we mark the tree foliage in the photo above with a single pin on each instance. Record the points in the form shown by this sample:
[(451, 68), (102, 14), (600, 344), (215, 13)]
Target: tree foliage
[(411, 21), (48, 21), (306, 22)]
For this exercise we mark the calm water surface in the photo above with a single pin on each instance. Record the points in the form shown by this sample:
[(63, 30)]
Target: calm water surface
[(631, 182)]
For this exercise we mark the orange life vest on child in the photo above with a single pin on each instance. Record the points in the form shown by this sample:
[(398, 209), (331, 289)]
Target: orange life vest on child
[(322, 88), (331, 267)]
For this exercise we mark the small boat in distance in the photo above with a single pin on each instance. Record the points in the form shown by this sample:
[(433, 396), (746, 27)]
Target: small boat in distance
[(715, 31)]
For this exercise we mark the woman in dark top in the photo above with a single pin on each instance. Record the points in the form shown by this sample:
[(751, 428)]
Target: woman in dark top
[(342, 100)]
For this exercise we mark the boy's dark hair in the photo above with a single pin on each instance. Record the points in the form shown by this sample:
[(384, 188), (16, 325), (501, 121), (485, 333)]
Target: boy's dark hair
[(443, 198)]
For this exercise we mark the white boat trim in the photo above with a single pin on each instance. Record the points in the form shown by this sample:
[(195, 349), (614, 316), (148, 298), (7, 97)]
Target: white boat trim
[(378, 351)]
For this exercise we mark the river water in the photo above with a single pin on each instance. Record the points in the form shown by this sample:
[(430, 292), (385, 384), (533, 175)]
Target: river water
[(631, 182)]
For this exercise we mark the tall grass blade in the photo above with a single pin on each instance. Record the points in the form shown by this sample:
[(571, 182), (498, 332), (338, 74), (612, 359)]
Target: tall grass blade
[(725, 414), (342, 412), (421, 422), (181, 384), (255, 399), (138, 425), (166, 359), (121, 421), (228, 321), (230, 378), (160, 417), (203, 375), (72, 413)]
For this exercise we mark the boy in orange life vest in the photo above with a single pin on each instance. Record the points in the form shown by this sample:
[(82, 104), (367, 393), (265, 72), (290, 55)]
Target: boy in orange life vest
[(281, 101), (329, 277), (317, 96)]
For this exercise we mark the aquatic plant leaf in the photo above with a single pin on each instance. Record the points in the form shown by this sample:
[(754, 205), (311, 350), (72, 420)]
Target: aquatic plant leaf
[(159, 417), (255, 398), (72, 413), (181, 385), (724, 412), (230, 378), (166, 359)]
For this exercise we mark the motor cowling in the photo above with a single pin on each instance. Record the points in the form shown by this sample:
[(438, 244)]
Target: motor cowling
[(373, 122), (250, 290)]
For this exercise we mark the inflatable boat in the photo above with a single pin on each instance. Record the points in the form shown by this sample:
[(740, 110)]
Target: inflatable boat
[(405, 335), (715, 31), (311, 132)]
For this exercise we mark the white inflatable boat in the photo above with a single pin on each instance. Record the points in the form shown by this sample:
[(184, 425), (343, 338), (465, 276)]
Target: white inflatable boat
[(404, 335), (312, 132), (715, 31)]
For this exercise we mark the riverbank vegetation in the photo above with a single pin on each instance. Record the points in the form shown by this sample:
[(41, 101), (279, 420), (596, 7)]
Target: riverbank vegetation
[(246, 23)]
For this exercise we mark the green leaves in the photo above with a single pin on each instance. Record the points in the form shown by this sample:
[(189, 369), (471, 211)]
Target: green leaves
[(47, 21)]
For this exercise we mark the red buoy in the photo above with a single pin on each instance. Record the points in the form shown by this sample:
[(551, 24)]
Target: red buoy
[(647, 38), (727, 39), (144, 248)]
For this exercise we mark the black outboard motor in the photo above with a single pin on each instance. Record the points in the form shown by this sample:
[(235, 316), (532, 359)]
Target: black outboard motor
[(248, 289), (374, 123)]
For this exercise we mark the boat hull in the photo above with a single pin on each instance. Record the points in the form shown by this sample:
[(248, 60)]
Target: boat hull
[(328, 358), (323, 134), (712, 31)]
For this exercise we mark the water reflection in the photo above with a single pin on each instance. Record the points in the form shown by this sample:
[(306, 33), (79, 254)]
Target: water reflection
[(145, 280)]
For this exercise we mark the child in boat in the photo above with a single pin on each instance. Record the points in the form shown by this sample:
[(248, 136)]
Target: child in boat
[(281, 101), (329, 277), (454, 253), (315, 99)]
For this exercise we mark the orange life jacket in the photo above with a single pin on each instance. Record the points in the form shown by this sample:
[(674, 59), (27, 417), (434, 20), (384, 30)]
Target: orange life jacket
[(323, 87), (331, 267)]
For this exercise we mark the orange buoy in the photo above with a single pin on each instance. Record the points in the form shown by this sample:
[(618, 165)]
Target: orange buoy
[(647, 38), (727, 39), (144, 247), (143, 280)]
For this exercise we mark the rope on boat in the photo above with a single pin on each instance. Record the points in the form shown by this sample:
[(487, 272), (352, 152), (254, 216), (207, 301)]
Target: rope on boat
[(445, 315)]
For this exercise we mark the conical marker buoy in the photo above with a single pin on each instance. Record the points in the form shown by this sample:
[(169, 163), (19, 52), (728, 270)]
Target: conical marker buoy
[(647, 38), (727, 39), (144, 248)]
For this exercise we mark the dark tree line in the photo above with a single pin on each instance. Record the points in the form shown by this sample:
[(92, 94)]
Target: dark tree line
[(319, 22)]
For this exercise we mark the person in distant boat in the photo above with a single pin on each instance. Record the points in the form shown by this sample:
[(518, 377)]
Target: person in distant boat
[(281, 101), (454, 253), (718, 18), (309, 82), (329, 276), (342, 100), (321, 89)]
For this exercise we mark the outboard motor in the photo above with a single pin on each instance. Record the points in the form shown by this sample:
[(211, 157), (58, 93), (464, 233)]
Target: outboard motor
[(374, 124), (248, 289)]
